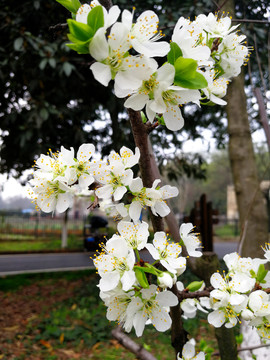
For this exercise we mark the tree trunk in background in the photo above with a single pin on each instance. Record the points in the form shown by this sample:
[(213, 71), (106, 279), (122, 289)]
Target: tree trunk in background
[(250, 202), (64, 234)]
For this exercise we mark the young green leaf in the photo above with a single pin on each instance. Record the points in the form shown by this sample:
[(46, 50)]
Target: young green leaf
[(197, 82), (80, 31), (141, 277), (261, 274), (174, 53), (185, 68), (194, 286), (71, 5), (95, 18)]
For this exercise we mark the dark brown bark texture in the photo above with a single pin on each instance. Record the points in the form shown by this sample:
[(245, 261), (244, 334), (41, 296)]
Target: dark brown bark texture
[(250, 202)]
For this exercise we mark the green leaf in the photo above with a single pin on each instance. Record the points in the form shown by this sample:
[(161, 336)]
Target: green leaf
[(239, 339), (141, 277), (80, 31), (43, 64), (197, 82), (174, 53), (44, 114), (95, 18), (18, 44), (71, 5), (160, 120), (262, 272), (185, 68), (79, 48), (194, 286), (52, 62), (186, 74), (144, 118), (67, 68)]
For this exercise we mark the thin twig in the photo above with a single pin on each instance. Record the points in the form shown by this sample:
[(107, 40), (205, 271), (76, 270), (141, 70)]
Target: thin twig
[(131, 345), (245, 349)]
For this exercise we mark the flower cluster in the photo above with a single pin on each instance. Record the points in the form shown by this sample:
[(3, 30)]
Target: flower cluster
[(124, 283), (240, 294), (202, 56), (60, 176)]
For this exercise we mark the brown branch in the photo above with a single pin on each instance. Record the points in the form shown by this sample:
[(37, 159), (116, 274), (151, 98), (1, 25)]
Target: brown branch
[(129, 344), (249, 348)]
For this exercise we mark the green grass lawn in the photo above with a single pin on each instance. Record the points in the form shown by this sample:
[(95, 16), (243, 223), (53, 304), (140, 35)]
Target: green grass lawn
[(36, 244), (226, 231), (60, 316)]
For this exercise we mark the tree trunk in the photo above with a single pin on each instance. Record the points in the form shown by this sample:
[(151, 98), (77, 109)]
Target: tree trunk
[(250, 202), (64, 234)]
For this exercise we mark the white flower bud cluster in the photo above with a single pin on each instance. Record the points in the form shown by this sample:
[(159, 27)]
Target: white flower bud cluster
[(209, 46)]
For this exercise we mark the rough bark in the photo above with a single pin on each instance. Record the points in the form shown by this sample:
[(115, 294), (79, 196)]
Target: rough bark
[(250, 202)]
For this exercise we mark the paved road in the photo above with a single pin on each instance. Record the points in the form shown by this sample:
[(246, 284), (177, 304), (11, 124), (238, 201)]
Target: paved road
[(34, 263)]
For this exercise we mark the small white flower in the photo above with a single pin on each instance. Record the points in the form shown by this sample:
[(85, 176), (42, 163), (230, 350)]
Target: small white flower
[(115, 265), (259, 303), (159, 96), (135, 234), (144, 33), (266, 250), (190, 240), (151, 305), (114, 179), (52, 195), (167, 254), (126, 157), (109, 17), (188, 352)]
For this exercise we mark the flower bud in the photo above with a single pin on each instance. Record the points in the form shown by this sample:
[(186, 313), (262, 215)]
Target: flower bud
[(165, 280)]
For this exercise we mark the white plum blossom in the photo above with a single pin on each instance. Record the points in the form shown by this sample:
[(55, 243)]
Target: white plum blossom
[(114, 61), (115, 265), (115, 179), (126, 157), (166, 192), (79, 168), (190, 240), (232, 54), (266, 250), (190, 307), (262, 325), (135, 234), (117, 302), (51, 195), (110, 17), (160, 96), (216, 89), (144, 33), (259, 303), (151, 305), (167, 253), (189, 353), (189, 36), (215, 26), (142, 197)]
